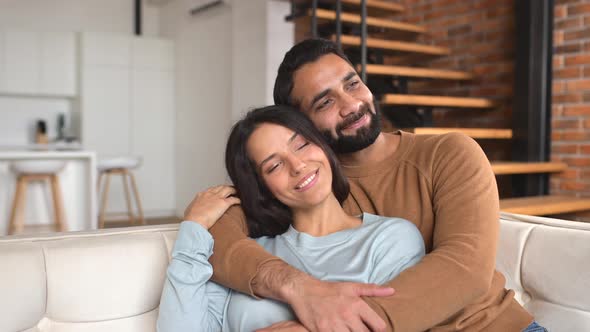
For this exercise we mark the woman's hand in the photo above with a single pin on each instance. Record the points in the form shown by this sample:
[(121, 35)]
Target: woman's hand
[(285, 326), (208, 206)]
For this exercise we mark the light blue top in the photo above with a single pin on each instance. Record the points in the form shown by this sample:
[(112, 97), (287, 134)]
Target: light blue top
[(375, 252)]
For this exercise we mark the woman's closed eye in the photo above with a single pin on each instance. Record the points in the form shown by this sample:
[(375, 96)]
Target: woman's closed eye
[(301, 146), (273, 167)]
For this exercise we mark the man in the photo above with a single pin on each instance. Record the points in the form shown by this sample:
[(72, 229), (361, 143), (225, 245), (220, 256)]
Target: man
[(444, 184)]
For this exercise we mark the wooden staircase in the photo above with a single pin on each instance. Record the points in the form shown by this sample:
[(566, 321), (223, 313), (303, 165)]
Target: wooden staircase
[(393, 38)]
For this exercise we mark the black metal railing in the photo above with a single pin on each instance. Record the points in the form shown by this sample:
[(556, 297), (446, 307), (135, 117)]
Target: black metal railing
[(297, 11), (363, 40)]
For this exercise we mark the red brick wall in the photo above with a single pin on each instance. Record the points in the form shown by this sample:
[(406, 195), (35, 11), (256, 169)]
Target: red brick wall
[(480, 35), (571, 96)]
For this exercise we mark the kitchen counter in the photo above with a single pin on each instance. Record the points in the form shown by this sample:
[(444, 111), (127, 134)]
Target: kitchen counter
[(55, 146), (77, 179)]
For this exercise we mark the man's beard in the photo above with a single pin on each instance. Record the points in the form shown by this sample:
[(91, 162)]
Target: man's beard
[(364, 136)]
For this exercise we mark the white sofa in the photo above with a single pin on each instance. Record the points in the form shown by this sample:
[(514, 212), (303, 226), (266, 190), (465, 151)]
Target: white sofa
[(110, 280)]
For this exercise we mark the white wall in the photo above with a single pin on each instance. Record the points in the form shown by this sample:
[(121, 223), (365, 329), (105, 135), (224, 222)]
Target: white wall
[(261, 37), (203, 94), (227, 59), (280, 37), (248, 56), (76, 15)]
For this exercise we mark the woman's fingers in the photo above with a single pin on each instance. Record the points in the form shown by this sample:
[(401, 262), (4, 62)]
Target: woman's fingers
[(223, 190), (232, 200), (227, 191)]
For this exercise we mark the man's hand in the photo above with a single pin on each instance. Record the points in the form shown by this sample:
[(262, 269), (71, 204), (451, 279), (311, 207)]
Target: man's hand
[(285, 326), (336, 306), (319, 305), (208, 206)]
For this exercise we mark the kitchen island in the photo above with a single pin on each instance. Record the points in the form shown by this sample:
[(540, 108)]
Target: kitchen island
[(78, 184)]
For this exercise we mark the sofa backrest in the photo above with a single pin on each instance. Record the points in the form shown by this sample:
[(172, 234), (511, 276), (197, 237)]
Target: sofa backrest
[(547, 262), (111, 280), (95, 281)]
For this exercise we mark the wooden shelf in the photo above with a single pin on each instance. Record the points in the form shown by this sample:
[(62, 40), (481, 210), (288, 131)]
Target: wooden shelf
[(544, 205), (374, 7), (391, 45), (417, 72), (436, 101), (371, 21), (477, 133), (503, 168), (377, 4)]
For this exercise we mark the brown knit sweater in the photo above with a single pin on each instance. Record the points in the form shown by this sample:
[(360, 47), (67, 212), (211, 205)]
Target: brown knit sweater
[(444, 184)]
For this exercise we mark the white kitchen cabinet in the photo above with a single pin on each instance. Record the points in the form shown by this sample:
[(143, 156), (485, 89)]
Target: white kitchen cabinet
[(38, 63), (153, 136), (128, 109), (22, 62), (151, 53), (58, 64), (106, 110), (103, 49)]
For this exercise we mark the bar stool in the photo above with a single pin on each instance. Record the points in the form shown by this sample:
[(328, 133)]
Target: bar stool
[(119, 166), (30, 171)]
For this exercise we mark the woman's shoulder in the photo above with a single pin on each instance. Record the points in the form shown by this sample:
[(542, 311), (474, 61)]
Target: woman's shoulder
[(383, 221), (392, 227)]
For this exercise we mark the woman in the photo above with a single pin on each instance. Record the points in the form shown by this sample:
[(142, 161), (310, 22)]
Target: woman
[(291, 188)]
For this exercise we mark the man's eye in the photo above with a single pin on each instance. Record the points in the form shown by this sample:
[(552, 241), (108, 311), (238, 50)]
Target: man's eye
[(324, 104), (353, 84)]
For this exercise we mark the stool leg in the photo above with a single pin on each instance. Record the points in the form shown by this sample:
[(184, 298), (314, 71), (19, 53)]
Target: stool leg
[(18, 204), (124, 176), (105, 198), (137, 199), (98, 182), (58, 204)]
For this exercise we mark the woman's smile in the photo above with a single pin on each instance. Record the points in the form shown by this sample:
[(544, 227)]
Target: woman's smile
[(308, 181)]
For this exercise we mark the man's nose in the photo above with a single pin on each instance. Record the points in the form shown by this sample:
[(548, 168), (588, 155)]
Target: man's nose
[(349, 105)]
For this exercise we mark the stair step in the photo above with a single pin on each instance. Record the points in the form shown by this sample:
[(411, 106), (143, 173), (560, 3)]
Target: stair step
[(476, 133), (503, 168), (371, 21), (544, 205), (417, 72), (391, 45), (436, 101), (377, 4)]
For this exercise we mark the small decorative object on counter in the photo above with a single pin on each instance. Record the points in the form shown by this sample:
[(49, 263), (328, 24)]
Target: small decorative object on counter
[(61, 127), (41, 133)]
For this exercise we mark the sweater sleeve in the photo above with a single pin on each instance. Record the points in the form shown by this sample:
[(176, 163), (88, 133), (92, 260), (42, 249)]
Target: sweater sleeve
[(236, 257), (460, 267), (189, 302)]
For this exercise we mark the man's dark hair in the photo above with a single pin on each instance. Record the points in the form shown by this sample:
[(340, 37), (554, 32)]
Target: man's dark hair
[(266, 215), (302, 53)]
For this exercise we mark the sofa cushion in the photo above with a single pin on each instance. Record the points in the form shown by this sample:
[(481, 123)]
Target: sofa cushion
[(552, 268), (22, 285), (546, 262), (107, 280), (103, 278)]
